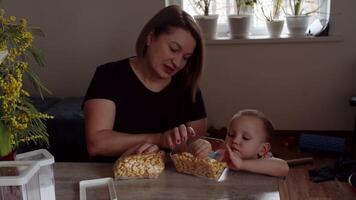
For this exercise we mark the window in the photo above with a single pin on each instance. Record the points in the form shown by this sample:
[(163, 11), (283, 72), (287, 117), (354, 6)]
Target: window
[(258, 27)]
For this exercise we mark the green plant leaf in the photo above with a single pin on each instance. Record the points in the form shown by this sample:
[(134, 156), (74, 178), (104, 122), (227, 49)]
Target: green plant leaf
[(37, 56), (37, 31), (5, 145)]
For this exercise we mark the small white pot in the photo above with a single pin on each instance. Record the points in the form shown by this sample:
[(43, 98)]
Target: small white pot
[(239, 25), (275, 28), (298, 25), (207, 24)]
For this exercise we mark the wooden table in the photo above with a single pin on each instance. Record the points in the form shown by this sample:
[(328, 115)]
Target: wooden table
[(170, 184)]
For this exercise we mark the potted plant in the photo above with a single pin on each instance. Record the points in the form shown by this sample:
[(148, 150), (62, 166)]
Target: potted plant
[(271, 12), (206, 21), (239, 23), (298, 17), (20, 122)]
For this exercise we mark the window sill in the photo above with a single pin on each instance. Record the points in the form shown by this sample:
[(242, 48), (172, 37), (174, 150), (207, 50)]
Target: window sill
[(264, 40)]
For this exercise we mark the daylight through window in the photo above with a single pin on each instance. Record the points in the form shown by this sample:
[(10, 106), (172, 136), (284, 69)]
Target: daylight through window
[(318, 12)]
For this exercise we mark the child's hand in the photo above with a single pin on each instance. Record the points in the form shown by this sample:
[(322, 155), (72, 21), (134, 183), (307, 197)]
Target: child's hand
[(221, 157), (233, 159), (200, 148)]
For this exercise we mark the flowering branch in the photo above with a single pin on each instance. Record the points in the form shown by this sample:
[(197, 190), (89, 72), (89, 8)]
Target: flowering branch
[(17, 114)]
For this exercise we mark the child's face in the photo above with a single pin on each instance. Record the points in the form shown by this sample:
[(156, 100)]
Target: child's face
[(246, 137)]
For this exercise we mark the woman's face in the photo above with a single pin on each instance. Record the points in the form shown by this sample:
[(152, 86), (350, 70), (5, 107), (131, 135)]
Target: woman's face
[(246, 136), (169, 52)]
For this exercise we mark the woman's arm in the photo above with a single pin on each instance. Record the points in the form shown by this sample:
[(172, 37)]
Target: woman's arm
[(102, 140), (100, 137)]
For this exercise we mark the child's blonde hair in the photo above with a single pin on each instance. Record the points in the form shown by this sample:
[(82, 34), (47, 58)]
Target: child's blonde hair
[(268, 126)]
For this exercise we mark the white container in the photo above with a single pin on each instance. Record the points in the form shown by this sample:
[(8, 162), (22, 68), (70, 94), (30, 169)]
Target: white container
[(19, 180), (102, 188), (46, 175)]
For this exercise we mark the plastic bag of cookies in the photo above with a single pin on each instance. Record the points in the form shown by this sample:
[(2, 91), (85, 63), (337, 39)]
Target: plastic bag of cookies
[(201, 167), (139, 166)]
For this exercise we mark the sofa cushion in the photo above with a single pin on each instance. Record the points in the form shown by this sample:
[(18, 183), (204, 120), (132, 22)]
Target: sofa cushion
[(66, 130)]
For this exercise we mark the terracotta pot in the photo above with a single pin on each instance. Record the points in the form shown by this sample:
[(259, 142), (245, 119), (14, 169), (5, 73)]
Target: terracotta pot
[(9, 157)]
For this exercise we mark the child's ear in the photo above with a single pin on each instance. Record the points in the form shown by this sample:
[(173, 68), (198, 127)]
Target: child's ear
[(264, 149)]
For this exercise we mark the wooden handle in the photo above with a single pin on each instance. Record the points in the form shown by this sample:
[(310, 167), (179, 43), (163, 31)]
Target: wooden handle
[(300, 161)]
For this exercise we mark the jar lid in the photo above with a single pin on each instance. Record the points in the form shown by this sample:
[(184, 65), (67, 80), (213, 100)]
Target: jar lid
[(17, 172), (42, 156)]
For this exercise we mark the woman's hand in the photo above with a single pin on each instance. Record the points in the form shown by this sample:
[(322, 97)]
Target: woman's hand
[(200, 148), (233, 159), (176, 136), (145, 148)]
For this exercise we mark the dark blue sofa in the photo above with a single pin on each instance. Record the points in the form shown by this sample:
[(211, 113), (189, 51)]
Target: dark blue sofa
[(66, 130)]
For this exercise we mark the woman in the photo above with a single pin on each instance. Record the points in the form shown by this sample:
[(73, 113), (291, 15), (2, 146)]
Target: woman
[(150, 101)]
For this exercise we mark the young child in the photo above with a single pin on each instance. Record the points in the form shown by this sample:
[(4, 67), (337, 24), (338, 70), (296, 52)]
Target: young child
[(247, 145)]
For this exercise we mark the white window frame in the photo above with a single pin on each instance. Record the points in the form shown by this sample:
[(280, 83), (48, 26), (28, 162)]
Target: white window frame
[(259, 32)]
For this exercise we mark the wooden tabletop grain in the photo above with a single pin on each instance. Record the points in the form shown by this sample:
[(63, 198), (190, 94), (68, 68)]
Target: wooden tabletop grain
[(169, 185), (172, 185)]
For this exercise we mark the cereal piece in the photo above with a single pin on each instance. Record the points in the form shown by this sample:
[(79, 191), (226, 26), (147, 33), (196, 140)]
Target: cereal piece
[(139, 166), (202, 167)]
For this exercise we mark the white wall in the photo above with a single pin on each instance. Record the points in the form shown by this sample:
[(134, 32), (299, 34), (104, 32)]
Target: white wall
[(301, 86), (82, 34)]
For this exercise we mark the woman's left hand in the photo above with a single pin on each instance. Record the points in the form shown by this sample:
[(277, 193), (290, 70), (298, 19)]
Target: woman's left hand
[(176, 136), (144, 148)]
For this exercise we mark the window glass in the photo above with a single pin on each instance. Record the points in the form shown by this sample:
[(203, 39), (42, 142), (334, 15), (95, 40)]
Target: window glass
[(320, 12)]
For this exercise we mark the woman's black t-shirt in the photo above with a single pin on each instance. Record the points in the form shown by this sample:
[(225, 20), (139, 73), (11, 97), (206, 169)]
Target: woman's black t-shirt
[(138, 109)]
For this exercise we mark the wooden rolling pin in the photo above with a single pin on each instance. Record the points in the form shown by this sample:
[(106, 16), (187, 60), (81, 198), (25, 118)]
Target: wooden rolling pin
[(300, 161)]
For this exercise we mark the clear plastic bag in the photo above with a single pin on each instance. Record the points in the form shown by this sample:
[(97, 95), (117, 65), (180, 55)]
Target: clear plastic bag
[(201, 167), (139, 166)]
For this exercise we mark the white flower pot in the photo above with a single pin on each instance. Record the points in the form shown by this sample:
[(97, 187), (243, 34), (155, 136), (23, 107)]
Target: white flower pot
[(275, 28), (207, 24), (298, 25), (239, 25)]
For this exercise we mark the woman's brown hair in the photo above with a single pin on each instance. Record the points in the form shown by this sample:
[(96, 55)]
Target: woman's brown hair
[(174, 17)]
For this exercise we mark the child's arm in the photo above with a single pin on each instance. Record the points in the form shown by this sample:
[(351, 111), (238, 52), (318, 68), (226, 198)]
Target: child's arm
[(267, 166)]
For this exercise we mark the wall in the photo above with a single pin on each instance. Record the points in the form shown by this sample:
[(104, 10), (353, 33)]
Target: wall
[(301, 86), (82, 34)]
